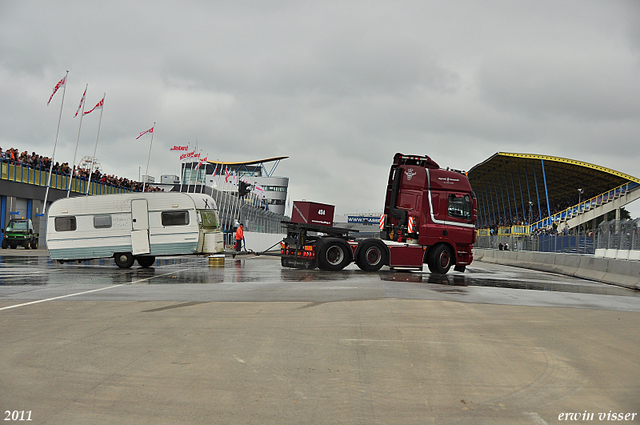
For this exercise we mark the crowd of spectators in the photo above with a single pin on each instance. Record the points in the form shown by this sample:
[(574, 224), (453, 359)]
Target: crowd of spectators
[(533, 216), (42, 163)]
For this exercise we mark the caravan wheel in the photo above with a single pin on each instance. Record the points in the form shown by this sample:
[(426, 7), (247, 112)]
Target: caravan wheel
[(124, 260), (146, 261)]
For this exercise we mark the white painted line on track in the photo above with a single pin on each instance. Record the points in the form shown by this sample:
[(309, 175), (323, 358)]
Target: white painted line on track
[(88, 292)]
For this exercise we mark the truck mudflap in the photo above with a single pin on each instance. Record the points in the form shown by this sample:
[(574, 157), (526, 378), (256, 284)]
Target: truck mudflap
[(304, 258), (464, 256)]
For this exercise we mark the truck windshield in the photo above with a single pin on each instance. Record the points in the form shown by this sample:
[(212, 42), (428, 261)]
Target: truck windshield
[(209, 219), (460, 206), (16, 225)]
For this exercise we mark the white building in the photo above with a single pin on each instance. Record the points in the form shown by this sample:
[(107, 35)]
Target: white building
[(226, 176)]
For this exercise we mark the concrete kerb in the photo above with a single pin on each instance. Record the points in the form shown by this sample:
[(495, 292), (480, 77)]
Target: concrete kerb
[(607, 270)]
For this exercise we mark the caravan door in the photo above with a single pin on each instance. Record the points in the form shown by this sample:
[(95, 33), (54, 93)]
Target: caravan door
[(140, 227)]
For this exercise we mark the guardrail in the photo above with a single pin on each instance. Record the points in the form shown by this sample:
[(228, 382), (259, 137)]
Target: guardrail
[(24, 174), (613, 239), (585, 206)]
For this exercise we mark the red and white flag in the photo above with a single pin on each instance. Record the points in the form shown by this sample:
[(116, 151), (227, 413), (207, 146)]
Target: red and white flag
[(81, 102), (179, 148), (99, 105), (202, 161), (145, 132), (55, 89)]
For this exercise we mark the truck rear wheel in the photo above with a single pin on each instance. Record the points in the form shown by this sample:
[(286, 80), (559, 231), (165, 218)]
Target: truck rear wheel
[(371, 256), (439, 259), (333, 254), (124, 260)]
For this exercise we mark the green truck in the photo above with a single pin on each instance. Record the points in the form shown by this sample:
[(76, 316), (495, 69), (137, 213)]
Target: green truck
[(19, 232)]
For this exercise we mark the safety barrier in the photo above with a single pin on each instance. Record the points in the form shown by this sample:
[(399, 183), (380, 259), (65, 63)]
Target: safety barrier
[(606, 270)]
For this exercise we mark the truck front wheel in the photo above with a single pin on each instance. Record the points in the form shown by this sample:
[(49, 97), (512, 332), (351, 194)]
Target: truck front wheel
[(333, 254), (439, 259), (371, 256)]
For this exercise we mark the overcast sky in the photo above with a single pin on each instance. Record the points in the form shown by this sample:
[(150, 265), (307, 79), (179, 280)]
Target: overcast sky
[(339, 87)]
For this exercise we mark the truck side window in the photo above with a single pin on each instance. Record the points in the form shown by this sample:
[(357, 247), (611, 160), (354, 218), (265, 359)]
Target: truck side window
[(459, 206), (101, 221), (175, 218), (65, 224)]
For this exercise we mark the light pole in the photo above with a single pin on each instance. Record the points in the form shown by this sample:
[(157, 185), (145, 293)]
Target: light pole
[(580, 195)]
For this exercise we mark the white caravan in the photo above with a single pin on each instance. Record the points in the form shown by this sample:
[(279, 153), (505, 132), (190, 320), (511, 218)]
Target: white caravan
[(133, 226)]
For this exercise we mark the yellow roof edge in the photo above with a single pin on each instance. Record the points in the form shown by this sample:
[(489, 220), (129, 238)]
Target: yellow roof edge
[(571, 161), (257, 161)]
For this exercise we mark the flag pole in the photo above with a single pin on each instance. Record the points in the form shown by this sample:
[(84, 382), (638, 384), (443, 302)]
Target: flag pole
[(55, 143), (205, 175), (95, 147), (149, 157), (73, 164)]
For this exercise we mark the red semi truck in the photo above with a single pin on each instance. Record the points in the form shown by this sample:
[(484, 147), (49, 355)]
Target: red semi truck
[(429, 217)]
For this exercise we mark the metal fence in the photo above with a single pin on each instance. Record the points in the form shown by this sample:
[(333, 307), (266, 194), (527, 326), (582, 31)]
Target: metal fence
[(233, 210), (614, 234)]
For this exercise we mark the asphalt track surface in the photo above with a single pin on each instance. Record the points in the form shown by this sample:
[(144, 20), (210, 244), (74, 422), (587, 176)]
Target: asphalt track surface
[(254, 343)]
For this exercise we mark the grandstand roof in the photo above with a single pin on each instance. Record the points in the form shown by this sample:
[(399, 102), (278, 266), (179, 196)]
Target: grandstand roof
[(511, 176)]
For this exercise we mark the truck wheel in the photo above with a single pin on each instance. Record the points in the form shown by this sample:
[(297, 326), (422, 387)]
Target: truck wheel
[(439, 259), (146, 261), (333, 254), (34, 244), (371, 256), (5, 244), (124, 260)]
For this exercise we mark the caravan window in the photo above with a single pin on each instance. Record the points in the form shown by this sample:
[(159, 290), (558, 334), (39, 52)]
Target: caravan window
[(101, 221), (65, 224), (175, 218)]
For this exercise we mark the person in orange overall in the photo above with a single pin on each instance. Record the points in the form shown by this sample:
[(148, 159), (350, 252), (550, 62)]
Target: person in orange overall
[(239, 237)]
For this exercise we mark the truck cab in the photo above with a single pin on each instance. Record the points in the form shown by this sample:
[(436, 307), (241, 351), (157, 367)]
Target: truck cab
[(19, 232), (433, 208), (429, 217)]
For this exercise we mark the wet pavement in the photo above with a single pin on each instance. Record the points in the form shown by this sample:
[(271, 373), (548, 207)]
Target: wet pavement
[(254, 343), (261, 278)]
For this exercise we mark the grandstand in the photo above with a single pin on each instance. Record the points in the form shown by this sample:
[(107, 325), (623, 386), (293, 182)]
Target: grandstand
[(528, 193)]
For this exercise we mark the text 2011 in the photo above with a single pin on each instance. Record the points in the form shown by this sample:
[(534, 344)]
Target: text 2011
[(17, 415)]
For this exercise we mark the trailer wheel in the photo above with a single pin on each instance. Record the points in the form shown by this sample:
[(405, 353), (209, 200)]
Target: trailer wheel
[(124, 260), (439, 259), (371, 256), (333, 254), (146, 261)]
